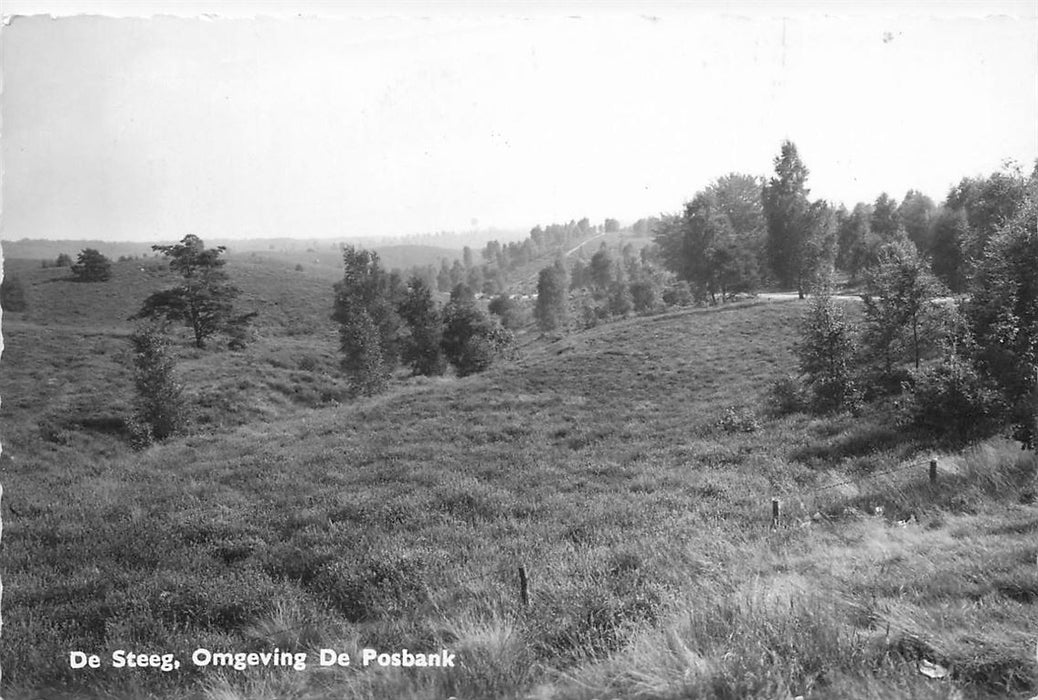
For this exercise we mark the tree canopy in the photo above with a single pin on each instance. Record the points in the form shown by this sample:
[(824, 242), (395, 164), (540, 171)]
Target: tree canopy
[(92, 266), (204, 301)]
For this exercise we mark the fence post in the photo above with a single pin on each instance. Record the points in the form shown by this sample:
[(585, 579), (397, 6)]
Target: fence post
[(933, 470), (774, 512), (524, 587)]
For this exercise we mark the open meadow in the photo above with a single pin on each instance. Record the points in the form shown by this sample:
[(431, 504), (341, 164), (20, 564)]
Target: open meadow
[(628, 470)]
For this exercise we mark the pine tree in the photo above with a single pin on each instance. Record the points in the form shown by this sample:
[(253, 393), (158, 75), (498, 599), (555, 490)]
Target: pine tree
[(92, 266), (204, 301)]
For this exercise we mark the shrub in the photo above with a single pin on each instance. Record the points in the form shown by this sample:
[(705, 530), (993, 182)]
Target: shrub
[(737, 420), (472, 340), (643, 296), (509, 311), (161, 410), (952, 400), (678, 294), (63, 260), (787, 395)]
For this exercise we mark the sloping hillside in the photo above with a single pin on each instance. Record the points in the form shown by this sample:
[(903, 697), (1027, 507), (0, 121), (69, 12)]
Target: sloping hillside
[(627, 470)]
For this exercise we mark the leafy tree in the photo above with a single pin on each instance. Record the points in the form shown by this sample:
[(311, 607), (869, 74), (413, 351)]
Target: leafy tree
[(857, 246), (463, 294), (644, 295), (916, 213), (12, 294), (443, 277), (819, 249), (793, 249), (92, 266), (471, 339), (1003, 310), (552, 297), (989, 203), (160, 410), (948, 239), (365, 307), (619, 300), (506, 309), (363, 352), (611, 225), (825, 352), (204, 302), (901, 315), (63, 260), (885, 221), (601, 272), (717, 243), (421, 350)]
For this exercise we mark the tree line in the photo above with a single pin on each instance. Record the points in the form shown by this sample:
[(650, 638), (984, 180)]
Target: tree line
[(488, 271), (959, 369), (385, 323), (742, 232)]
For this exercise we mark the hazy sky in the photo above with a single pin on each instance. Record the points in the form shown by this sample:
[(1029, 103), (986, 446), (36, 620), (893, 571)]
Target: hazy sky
[(327, 119)]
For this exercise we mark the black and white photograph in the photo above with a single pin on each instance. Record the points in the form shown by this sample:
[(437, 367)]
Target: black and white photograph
[(527, 350)]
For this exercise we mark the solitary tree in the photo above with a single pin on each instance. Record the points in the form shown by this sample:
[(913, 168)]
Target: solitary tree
[(92, 266), (204, 301)]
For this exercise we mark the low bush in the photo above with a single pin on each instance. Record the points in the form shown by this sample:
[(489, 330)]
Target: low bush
[(953, 402)]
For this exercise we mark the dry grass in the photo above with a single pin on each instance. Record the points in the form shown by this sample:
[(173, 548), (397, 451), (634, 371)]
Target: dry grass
[(599, 462)]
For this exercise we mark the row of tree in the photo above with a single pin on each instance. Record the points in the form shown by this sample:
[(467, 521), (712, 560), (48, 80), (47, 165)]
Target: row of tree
[(741, 231), (385, 323), (488, 271), (983, 370), (607, 286)]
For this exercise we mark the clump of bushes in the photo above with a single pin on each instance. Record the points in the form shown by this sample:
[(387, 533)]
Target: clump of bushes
[(951, 398)]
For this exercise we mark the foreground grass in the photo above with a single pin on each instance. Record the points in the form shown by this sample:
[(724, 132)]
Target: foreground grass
[(597, 463)]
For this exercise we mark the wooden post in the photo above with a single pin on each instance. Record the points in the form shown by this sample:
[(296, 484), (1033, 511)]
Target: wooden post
[(933, 470), (524, 587), (774, 512)]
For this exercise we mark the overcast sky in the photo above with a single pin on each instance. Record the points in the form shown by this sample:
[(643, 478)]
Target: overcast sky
[(322, 120)]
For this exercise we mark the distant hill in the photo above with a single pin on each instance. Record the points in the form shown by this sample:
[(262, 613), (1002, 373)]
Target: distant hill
[(37, 249), (286, 250)]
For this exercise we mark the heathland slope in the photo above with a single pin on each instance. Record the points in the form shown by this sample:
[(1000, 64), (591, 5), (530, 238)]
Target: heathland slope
[(629, 470)]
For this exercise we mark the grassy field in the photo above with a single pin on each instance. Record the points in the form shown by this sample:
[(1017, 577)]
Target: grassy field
[(629, 470)]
